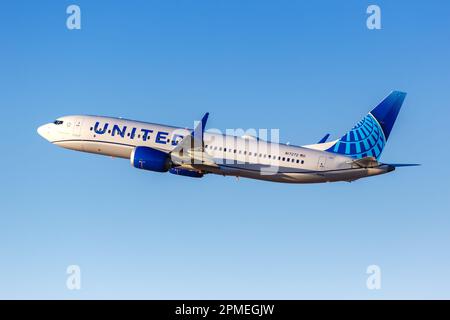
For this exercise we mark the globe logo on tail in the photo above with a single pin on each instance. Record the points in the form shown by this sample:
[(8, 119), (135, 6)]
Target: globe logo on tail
[(366, 139)]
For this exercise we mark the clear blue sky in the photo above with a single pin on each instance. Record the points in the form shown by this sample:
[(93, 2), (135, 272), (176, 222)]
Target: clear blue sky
[(306, 68)]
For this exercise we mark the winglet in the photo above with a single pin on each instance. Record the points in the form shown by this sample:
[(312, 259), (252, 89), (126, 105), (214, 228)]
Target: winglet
[(204, 119), (324, 139), (198, 136)]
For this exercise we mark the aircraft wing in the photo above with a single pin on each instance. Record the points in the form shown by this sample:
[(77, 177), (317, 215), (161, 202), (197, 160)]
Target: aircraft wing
[(366, 162), (189, 152)]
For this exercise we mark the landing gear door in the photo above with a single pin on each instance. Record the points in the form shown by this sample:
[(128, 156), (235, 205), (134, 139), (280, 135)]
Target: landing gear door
[(321, 164), (77, 127)]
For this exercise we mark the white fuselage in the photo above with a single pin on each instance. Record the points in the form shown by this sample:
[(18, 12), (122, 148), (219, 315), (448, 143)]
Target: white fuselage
[(234, 156)]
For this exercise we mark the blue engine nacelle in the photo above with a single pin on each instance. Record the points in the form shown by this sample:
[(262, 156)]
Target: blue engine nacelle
[(150, 159), (187, 173)]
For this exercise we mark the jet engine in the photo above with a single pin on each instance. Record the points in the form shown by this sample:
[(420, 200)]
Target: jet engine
[(150, 159)]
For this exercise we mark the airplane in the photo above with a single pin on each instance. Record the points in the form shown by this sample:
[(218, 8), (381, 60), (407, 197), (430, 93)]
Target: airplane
[(196, 152)]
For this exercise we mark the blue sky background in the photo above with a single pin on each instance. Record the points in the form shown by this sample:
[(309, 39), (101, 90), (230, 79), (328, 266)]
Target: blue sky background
[(306, 68)]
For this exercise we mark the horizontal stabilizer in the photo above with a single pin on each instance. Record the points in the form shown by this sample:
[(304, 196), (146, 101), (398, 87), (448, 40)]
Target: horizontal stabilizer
[(404, 164)]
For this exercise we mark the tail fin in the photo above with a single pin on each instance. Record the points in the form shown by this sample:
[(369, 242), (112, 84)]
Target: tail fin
[(369, 136)]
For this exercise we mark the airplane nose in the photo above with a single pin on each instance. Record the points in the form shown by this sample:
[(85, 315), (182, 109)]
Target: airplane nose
[(44, 131)]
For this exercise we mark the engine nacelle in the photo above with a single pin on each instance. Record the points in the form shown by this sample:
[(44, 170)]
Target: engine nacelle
[(187, 173), (150, 159)]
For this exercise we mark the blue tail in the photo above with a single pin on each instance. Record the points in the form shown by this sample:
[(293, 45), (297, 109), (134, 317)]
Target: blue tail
[(369, 136)]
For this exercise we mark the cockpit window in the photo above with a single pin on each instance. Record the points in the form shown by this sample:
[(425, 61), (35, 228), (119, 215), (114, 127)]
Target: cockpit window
[(58, 122)]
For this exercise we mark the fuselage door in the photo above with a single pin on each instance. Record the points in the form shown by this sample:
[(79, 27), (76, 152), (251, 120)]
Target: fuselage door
[(77, 127), (322, 163)]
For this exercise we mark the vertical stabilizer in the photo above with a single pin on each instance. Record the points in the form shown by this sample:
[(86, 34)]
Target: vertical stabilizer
[(369, 136)]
